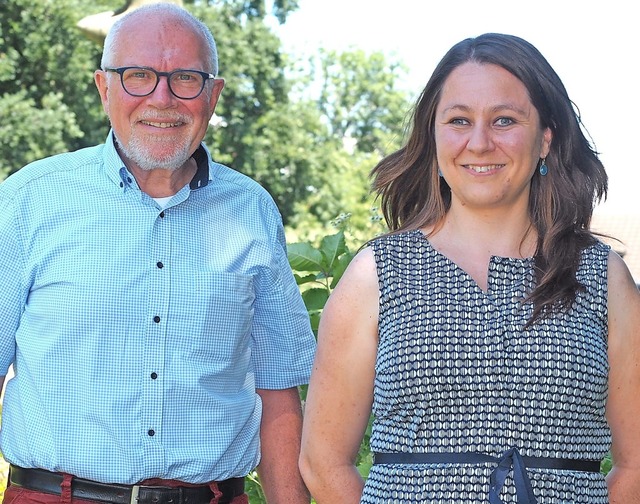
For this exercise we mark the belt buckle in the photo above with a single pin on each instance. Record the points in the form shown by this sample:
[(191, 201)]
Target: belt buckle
[(135, 490)]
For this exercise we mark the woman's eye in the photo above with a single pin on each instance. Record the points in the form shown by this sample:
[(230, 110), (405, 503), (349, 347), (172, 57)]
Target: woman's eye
[(459, 121), (504, 121)]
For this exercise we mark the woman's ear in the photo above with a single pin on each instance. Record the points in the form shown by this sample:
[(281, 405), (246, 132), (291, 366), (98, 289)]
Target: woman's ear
[(547, 137)]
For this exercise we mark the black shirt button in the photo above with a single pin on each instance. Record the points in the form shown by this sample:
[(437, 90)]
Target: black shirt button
[(151, 432), (162, 215), (160, 265), (154, 376), (156, 319)]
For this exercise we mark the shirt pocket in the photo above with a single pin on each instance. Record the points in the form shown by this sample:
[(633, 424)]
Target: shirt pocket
[(222, 316)]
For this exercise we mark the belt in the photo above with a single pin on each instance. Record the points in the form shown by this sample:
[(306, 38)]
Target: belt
[(510, 461), (49, 482)]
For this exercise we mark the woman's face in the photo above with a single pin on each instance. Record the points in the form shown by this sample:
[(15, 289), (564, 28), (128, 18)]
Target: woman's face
[(488, 137)]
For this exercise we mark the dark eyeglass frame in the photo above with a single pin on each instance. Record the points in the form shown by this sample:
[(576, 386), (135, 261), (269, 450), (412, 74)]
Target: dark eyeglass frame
[(121, 70)]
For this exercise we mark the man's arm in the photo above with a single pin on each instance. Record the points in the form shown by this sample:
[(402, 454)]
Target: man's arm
[(280, 433)]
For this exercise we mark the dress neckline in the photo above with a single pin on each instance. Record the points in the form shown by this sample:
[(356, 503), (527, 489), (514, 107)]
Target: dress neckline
[(495, 269)]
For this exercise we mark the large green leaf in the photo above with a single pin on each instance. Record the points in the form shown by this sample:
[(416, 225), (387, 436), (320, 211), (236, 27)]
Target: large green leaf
[(315, 299), (314, 318), (332, 246), (303, 257), (340, 267), (304, 279)]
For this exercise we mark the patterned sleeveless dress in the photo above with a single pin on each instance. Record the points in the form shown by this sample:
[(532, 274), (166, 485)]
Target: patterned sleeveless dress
[(456, 372)]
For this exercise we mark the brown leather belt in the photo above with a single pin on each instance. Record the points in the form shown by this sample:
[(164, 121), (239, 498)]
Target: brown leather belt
[(49, 482)]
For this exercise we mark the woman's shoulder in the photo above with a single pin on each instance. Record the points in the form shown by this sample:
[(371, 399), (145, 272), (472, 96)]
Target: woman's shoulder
[(398, 238), (596, 254), (618, 273)]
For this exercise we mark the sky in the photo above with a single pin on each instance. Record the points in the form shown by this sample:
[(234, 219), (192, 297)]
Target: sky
[(592, 45)]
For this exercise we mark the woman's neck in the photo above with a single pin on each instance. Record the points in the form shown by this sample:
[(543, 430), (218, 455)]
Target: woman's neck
[(471, 239)]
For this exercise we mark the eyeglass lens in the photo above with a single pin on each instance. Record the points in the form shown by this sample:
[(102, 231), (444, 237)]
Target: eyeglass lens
[(142, 81)]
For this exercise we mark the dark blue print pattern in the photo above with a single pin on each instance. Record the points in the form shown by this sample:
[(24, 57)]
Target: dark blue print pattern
[(456, 372)]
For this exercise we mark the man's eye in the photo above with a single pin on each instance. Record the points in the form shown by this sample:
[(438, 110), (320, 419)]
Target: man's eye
[(138, 74), (185, 77)]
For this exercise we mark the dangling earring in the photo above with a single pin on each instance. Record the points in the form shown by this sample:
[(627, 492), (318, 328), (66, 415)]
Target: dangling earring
[(544, 169), (439, 173)]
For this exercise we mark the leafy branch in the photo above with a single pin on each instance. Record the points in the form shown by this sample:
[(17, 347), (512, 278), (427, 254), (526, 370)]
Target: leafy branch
[(317, 270)]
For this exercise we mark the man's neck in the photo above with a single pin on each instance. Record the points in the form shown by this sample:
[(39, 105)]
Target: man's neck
[(161, 183)]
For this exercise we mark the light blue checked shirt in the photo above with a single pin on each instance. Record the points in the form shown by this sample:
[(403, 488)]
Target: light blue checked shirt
[(139, 335)]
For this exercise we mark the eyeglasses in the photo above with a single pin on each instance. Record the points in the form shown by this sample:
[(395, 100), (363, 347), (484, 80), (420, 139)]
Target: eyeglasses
[(142, 81)]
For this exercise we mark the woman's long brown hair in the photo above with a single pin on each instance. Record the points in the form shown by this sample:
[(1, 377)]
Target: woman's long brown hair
[(560, 204)]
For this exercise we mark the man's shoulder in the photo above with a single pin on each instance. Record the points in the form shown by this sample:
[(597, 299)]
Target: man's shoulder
[(51, 166), (231, 179)]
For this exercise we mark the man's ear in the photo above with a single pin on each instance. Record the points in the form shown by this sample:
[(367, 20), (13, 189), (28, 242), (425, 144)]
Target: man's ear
[(218, 86), (101, 80)]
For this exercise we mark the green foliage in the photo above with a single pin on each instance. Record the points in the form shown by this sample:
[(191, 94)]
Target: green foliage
[(263, 134), (318, 269), (362, 116), (29, 132), (253, 488), (48, 103), (360, 100)]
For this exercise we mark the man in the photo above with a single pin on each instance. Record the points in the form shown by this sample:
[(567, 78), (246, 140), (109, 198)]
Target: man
[(156, 331)]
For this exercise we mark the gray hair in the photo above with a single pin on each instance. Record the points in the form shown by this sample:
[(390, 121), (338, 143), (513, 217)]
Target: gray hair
[(176, 12)]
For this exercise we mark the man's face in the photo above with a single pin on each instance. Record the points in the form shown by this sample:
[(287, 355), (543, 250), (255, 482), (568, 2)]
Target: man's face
[(159, 130)]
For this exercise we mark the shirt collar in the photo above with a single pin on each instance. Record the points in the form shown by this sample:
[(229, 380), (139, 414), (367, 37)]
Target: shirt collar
[(201, 177)]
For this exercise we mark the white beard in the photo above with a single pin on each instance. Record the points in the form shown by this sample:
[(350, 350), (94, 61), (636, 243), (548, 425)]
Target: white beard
[(139, 152)]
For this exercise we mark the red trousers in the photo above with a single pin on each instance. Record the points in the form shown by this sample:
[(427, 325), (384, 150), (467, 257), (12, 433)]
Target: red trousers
[(18, 495)]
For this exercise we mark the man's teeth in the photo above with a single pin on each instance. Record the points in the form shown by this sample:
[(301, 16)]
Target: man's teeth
[(161, 124)]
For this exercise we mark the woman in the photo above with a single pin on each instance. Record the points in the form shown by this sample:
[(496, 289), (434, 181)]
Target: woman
[(495, 339)]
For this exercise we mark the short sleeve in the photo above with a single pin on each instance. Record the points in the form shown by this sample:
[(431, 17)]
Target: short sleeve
[(283, 342)]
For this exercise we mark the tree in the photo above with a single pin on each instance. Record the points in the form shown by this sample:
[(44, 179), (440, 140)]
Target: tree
[(363, 114), (48, 103), (265, 135), (254, 9), (360, 99)]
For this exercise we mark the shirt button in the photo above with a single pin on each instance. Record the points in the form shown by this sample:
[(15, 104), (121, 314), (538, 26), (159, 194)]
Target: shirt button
[(151, 432), (156, 319), (159, 265), (154, 376), (162, 215)]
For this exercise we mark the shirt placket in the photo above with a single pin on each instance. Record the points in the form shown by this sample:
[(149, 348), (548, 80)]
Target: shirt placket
[(153, 365)]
